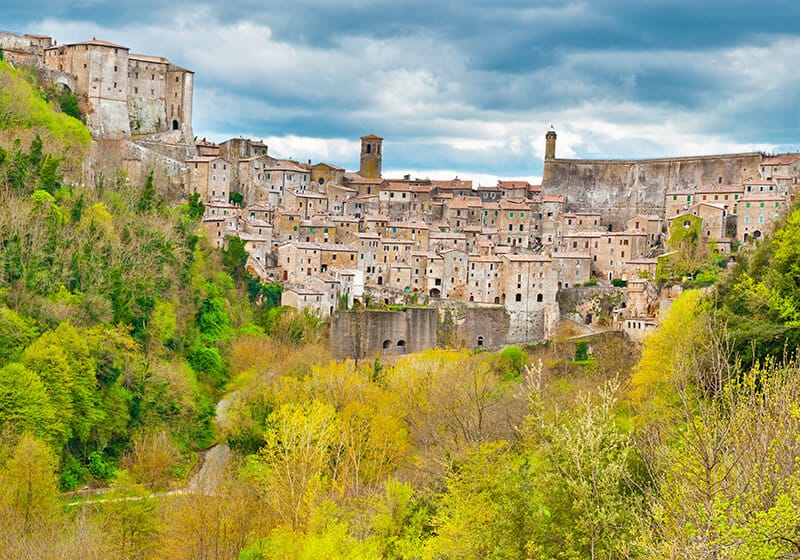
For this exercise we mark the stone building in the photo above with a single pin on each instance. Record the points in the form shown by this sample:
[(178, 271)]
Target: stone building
[(211, 178), (757, 216), (122, 93)]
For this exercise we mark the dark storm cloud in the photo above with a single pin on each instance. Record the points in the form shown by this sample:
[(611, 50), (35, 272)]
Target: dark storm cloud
[(468, 85)]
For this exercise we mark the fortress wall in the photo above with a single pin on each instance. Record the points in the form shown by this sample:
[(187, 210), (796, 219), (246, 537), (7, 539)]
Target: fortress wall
[(620, 189), (363, 333)]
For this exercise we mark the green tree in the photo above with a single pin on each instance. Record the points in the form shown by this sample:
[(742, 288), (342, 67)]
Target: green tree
[(130, 516), (28, 485), (148, 198), (237, 198), (69, 104), (25, 405), (49, 179), (16, 332), (195, 208), (588, 487), (235, 257)]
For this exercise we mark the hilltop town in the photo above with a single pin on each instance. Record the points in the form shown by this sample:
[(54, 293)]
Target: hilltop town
[(500, 264)]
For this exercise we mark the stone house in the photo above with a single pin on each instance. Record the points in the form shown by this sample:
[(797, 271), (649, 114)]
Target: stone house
[(361, 205), (614, 249), (572, 269), (454, 271), (337, 197), (327, 174), (758, 214), (308, 203), (299, 260), (652, 225), (441, 241), (210, 177), (483, 283), (368, 245)]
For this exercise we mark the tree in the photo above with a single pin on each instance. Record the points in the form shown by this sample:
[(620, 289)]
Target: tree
[(235, 257), (588, 489), (152, 458), (25, 405), (28, 485), (130, 517), (293, 463), (148, 198), (69, 104), (16, 332)]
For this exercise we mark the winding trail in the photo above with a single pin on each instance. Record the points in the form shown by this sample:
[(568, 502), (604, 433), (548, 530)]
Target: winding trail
[(205, 480)]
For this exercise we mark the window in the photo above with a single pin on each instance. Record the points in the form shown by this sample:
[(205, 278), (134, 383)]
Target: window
[(747, 219), (518, 297)]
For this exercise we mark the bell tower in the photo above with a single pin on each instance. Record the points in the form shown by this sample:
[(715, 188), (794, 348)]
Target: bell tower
[(371, 156), (550, 145)]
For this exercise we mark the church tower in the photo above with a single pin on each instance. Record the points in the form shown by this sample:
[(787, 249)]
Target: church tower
[(550, 146), (371, 156)]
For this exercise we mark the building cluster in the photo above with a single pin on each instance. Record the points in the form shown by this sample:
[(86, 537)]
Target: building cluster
[(738, 212), (335, 237), (121, 94)]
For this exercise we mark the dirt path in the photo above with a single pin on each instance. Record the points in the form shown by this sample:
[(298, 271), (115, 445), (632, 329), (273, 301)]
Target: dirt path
[(204, 480)]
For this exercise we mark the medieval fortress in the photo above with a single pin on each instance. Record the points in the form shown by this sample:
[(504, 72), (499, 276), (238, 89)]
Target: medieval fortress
[(474, 265)]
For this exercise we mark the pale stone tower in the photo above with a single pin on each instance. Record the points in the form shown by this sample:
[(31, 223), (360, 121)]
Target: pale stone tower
[(371, 156), (550, 146)]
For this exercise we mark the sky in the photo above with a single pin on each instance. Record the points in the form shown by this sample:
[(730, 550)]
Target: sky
[(466, 88)]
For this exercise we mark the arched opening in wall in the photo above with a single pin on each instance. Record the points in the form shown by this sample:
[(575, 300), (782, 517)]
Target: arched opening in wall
[(503, 299), (497, 299), (480, 341), (472, 298), (401, 346), (175, 124), (331, 311), (588, 319), (380, 280), (436, 293), (387, 344), (285, 275), (369, 148), (518, 297), (539, 297)]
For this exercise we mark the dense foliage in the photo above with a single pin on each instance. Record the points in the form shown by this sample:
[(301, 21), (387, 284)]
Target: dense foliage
[(122, 335)]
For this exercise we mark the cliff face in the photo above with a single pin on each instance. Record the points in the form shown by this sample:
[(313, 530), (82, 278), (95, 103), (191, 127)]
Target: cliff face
[(621, 189)]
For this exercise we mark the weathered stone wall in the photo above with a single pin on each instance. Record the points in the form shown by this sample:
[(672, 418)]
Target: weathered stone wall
[(620, 189), (369, 333), (366, 333), (597, 301)]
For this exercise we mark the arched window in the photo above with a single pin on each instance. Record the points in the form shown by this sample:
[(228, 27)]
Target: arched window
[(175, 124), (387, 344), (518, 297), (539, 297), (480, 341)]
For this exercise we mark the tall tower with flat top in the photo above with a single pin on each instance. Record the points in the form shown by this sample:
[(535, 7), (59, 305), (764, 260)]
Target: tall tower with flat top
[(550, 146), (371, 156)]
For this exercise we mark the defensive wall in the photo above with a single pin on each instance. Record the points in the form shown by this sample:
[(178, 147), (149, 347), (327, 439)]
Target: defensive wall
[(620, 189), (375, 332)]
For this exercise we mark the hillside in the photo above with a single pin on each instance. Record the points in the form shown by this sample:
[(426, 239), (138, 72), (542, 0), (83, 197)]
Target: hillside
[(122, 333)]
